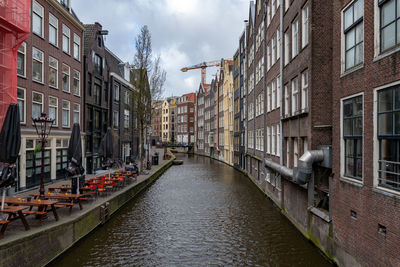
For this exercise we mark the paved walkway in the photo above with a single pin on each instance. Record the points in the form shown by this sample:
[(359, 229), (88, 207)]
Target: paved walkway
[(16, 230)]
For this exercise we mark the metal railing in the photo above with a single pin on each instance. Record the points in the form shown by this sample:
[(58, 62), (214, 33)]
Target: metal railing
[(389, 174)]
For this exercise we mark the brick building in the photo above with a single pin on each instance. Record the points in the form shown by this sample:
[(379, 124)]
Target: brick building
[(49, 68), (200, 118), (96, 95), (366, 88), (185, 119), (123, 116), (156, 120)]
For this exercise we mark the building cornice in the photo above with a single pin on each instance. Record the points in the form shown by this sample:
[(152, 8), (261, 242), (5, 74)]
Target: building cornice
[(66, 14)]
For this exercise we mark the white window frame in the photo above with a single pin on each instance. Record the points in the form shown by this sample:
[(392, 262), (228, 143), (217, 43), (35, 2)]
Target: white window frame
[(116, 119), (55, 26), (295, 95), (295, 152), (79, 83), (305, 18), (23, 52), (66, 90), (273, 147), (268, 140), (278, 91), (126, 118), (287, 152), (39, 13), (278, 140), (55, 123), (66, 32), (278, 44), (78, 110), (287, 47), (287, 4), (273, 98), (287, 100), (69, 114), (295, 38), (269, 98), (24, 101), (304, 90), (342, 146), (56, 69), (38, 103), (273, 55), (40, 61), (77, 43)]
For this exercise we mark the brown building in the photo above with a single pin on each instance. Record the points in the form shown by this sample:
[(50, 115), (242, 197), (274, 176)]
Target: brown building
[(366, 104), (185, 119), (49, 80), (156, 120), (96, 94), (200, 118)]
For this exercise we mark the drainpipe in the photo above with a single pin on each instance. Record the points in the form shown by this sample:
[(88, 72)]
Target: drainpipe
[(301, 174)]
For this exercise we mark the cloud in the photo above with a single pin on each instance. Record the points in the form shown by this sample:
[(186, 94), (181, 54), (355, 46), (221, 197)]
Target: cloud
[(184, 32)]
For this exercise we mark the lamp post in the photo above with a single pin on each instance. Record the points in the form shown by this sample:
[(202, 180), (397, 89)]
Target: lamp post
[(148, 151), (43, 127)]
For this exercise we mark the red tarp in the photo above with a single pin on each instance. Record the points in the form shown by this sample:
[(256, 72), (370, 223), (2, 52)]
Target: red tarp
[(14, 29)]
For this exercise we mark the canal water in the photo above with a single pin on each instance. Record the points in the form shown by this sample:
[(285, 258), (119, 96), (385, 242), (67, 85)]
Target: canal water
[(202, 213)]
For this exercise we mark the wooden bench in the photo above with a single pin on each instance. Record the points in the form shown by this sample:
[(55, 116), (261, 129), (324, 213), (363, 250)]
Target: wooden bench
[(28, 212), (3, 227), (66, 204)]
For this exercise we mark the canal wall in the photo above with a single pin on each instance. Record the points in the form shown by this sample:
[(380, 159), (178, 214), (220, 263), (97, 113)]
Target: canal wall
[(292, 201), (41, 246)]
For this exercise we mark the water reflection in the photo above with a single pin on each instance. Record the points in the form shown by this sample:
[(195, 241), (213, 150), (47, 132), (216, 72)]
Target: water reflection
[(202, 213)]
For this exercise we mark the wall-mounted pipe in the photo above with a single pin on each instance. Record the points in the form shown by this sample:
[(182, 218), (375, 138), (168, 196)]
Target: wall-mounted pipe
[(302, 173)]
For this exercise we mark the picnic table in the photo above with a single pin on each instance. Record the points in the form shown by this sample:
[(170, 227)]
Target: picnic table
[(42, 205), (72, 198), (14, 213)]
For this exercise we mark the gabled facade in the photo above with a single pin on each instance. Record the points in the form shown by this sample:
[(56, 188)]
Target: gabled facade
[(185, 119), (50, 75), (96, 94)]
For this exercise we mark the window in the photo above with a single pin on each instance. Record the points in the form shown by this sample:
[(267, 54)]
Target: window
[(389, 137), (273, 53), (65, 78), (278, 44), (126, 119), (295, 38), (53, 109), (77, 47), (37, 65), (287, 4), (116, 118), (97, 92), (268, 56), (268, 13), (65, 38), (352, 136), (273, 140), (77, 113), (98, 62), (286, 100), (268, 140), (286, 40), (53, 29), (37, 18), (21, 97), (353, 34), (106, 91), (304, 30), (90, 84), (53, 72), (287, 152), (65, 113), (295, 96), (268, 98), (37, 104), (21, 60), (273, 98), (278, 140), (295, 152), (389, 24), (304, 91), (278, 91), (116, 91), (77, 83)]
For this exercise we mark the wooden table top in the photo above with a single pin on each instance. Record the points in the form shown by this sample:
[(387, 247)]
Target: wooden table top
[(13, 209), (60, 195), (32, 202)]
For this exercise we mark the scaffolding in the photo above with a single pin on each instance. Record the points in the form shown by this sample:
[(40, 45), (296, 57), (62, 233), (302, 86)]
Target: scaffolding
[(14, 29)]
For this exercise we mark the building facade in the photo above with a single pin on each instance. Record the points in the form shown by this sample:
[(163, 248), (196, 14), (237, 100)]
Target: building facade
[(97, 93), (49, 69), (185, 119), (227, 86), (156, 120), (366, 88)]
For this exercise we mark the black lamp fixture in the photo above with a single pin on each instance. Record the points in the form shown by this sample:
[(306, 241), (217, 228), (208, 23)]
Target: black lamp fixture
[(43, 126)]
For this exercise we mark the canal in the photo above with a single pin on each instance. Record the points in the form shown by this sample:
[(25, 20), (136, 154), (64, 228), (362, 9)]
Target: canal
[(202, 213)]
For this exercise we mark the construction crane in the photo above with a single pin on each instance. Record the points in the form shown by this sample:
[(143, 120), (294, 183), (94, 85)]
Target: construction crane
[(203, 66)]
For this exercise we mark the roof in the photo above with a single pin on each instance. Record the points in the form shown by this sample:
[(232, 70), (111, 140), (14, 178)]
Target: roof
[(113, 62), (89, 34), (190, 96)]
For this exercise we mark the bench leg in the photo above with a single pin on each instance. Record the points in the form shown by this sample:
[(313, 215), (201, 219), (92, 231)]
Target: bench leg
[(23, 219), (80, 204), (3, 229), (53, 209)]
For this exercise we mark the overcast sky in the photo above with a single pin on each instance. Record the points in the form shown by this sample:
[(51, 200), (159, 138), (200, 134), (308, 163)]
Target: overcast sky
[(184, 32)]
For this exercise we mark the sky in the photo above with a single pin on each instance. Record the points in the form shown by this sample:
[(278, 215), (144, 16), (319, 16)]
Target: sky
[(184, 32)]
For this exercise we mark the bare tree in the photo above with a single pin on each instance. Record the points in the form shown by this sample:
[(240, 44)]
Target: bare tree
[(145, 66)]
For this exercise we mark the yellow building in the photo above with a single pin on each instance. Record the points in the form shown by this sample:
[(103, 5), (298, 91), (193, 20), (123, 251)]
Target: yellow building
[(169, 120), (227, 68)]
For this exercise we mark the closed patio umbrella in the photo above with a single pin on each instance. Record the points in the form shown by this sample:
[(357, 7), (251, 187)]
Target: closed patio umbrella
[(74, 156), (10, 143), (106, 149)]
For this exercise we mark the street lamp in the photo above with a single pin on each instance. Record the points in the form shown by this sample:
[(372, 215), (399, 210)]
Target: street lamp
[(43, 127), (148, 150)]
